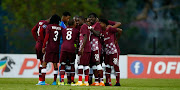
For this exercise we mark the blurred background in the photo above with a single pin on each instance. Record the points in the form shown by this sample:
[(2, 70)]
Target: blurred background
[(150, 27)]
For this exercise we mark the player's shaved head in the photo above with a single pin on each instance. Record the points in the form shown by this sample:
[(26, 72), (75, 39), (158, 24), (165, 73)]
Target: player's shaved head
[(93, 14), (71, 22), (105, 21), (55, 19)]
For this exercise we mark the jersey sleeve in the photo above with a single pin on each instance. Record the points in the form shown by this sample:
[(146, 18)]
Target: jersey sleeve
[(111, 22), (84, 30)]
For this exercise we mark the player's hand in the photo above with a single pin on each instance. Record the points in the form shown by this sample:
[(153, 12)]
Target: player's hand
[(43, 50)]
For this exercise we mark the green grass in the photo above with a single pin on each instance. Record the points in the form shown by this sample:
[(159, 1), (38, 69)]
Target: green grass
[(126, 84)]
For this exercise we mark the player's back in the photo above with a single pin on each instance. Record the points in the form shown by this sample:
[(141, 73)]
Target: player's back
[(84, 30), (69, 35), (109, 40), (54, 31), (41, 24)]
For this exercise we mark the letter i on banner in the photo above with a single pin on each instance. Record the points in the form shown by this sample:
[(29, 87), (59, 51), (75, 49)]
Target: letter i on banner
[(149, 67)]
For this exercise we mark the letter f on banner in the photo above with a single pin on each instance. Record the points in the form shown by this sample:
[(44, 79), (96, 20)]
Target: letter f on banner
[(136, 67)]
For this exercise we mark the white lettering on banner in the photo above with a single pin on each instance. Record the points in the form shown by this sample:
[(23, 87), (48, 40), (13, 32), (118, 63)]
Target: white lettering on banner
[(136, 67), (149, 67), (178, 68), (156, 67), (170, 66)]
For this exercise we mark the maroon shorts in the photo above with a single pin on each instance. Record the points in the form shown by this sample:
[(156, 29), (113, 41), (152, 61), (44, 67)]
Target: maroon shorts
[(112, 59), (51, 57), (64, 56), (39, 50), (95, 57), (84, 59)]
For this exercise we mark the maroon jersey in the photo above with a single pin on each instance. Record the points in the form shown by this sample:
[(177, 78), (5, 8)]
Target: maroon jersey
[(111, 22), (53, 33), (39, 28), (69, 35), (84, 30), (95, 41), (109, 39)]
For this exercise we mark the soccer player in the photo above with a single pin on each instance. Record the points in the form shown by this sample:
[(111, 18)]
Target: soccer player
[(84, 55), (64, 19), (70, 36), (51, 47), (102, 56), (96, 50), (112, 57), (38, 34)]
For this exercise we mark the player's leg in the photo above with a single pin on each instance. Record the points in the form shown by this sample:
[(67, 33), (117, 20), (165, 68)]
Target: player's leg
[(116, 68), (39, 57), (86, 72), (72, 58), (43, 73), (55, 73), (63, 58), (94, 59), (61, 41), (90, 74), (68, 70), (108, 70), (86, 61)]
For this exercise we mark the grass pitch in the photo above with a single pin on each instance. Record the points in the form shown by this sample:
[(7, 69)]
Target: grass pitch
[(126, 84)]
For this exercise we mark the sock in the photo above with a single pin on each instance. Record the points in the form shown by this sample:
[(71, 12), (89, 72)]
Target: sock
[(108, 73), (40, 74), (68, 77), (117, 73), (55, 73), (86, 72), (62, 73), (72, 72), (43, 73), (101, 75), (80, 73), (62, 78), (86, 78)]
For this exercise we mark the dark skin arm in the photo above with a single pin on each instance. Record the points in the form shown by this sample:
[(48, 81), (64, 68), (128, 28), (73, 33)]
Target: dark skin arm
[(84, 43), (96, 33), (119, 34), (117, 24)]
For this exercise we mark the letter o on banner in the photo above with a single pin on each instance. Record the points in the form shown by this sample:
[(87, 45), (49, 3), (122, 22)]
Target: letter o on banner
[(157, 65)]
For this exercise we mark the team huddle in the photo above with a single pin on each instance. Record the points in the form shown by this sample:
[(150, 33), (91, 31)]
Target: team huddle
[(94, 40)]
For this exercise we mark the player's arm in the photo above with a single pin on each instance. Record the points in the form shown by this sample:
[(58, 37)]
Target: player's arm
[(44, 44), (34, 30), (119, 31), (96, 33), (114, 24)]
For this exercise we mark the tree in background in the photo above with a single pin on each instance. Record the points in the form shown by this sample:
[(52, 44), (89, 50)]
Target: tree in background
[(24, 14)]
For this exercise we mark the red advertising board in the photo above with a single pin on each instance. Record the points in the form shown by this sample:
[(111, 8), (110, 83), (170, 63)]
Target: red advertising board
[(153, 67)]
